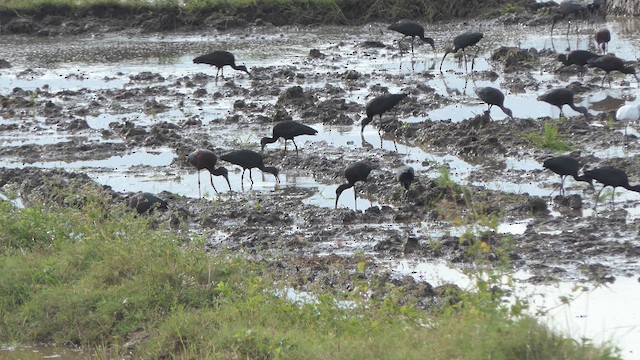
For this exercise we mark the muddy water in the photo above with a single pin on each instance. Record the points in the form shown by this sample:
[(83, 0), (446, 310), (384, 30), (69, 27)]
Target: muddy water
[(105, 69)]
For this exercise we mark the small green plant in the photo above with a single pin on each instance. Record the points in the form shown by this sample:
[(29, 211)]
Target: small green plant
[(549, 138), (444, 179), (511, 9)]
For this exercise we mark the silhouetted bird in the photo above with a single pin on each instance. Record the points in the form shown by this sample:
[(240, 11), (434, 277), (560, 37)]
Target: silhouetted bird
[(144, 202), (577, 57), (206, 159), (461, 42), (379, 105), (564, 166), (248, 159), (414, 30), (358, 171), (405, 177), (287, 130), (609, 176), (492, 96), (610, 63), (567, 9), (220, 59), (560, 97), (628, 113), (603, 36)]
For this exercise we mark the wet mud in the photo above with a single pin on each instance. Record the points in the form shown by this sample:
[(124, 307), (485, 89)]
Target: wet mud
[(310, 242)]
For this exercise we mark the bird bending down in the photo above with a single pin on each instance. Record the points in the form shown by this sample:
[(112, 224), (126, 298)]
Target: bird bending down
[(287, 130), (609, 176), (220, 59), (566, 9), (461, 42), (610, 63), (560, 97), (414, 30), (405, 177), (379, 105), (577, 57), (358, 171), (492, 96), (628, 113), (206, 159), (564, 166), (248, 159), (603, 36), (144, 202)]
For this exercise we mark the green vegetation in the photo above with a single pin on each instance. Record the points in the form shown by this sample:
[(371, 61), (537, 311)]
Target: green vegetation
[(307, 11), (549, 138), (97, 276)]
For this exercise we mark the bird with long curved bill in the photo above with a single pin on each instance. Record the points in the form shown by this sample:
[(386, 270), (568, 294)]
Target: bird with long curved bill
[(610, 176), (247, 160), (358, 171), (287, 130), (220, 59), (206, 159)]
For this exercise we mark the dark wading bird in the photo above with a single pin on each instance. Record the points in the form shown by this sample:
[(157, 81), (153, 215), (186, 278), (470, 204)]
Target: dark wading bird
[(492, 96), (577, 57), (603, 36), (610, 63), (461, 42), (144, 202), (568, 9), (564, 166), (609, 176), (560, 97), (358, 171), (206, 159), (405, 177), (287, 130), (248, 159), (379, 105), (220, 59), (414, 30)]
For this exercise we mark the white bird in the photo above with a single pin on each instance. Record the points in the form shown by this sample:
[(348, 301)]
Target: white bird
[(628, 113)]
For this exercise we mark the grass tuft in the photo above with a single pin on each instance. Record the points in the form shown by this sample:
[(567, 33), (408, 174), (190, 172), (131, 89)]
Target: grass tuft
[(549, 138)]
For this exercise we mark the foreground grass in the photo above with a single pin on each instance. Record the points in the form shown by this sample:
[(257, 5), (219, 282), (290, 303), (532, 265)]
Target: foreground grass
[(99, 278)]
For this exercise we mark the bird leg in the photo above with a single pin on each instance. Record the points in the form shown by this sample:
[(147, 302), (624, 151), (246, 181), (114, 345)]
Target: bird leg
[(242, 178), (199, 195), (562, 192), (294, 144), (355, 199), (412, 38), (251, 177), (598, 197), (473, 60)]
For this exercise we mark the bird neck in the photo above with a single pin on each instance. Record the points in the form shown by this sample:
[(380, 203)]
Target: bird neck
[(221, 171), (268, 140), (343, 187), (635, 188)]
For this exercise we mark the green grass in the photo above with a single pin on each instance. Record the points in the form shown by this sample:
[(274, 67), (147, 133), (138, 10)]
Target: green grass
[(548, 139), (96, 276)]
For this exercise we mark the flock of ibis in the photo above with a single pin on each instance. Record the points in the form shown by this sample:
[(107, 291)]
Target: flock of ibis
[(359, 171)]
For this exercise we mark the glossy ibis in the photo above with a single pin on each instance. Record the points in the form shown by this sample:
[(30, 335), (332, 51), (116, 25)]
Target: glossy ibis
[(577, 57), (358, 171), (144, 202), (414, 30), (567, 9), (628, 113), (564, 165), (603, 36), (492, 96), (610, 176), (206, 159), (379, 105), (220, 59), (610, 63), (560, 97), (461, 42), (288, 130), (405, 177), (248, 159)]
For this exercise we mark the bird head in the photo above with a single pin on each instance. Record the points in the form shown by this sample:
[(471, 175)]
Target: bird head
[(263, 142), (364, 123), (508, 112), (430, 41), (562, 58), (243, 68)]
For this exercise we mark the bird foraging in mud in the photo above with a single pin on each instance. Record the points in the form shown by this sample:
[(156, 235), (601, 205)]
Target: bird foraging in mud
[(220, 59), (462, 42), (603, 36), (610, 176), (358, 171), (379, 105), (410, 28), (565, 165), (405, 177), (206, 159), (248, 159), (610, 63), (560, 97), (287, 130), (145, 202), (577, 57), (628, 113), (492, 96)]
